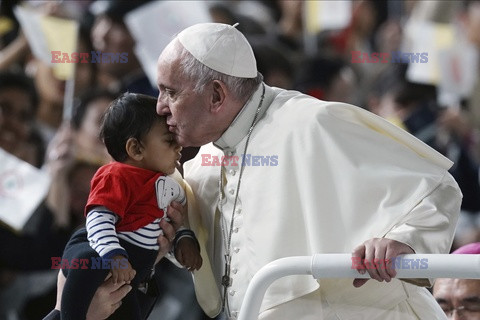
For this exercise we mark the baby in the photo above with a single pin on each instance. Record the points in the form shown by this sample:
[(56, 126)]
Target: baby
[(128, 198)]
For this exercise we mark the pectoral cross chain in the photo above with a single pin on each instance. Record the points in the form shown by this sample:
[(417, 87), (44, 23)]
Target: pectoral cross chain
[(226, 280)]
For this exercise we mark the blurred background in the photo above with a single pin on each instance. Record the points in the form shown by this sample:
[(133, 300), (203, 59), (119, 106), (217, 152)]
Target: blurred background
[(414, 63)]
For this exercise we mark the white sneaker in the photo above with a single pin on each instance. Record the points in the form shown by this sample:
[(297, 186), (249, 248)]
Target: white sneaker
[(168, 190)]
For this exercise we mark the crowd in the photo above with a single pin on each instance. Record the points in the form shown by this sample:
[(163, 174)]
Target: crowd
[(34, 129)]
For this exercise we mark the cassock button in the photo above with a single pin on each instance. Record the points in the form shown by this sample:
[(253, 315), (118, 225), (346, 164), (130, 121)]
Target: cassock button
[(229, 153), (235, 314), (232, 172), (232, 292), (238, 210), (234, 271), (236, 250), (231, 191), (235, 230)]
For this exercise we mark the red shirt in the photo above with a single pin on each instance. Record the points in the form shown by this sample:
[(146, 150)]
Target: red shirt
[(129, 192)]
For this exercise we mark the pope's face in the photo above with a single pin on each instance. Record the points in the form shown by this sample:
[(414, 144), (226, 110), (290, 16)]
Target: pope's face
[(187, 111)]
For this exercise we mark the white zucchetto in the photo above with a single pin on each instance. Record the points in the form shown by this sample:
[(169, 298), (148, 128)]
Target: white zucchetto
[(220, 47)]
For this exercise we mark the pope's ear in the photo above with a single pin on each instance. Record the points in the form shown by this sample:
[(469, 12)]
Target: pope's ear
[(219, 94), (134, 149)]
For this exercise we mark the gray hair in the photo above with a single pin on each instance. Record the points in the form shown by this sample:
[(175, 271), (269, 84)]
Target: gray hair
[(194, 70)]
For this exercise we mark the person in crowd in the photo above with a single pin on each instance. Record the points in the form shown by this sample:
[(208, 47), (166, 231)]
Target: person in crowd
[(51, 89), (73, 157), (18, 104), (290, 26), (326, 78), (122, 224), (274, 64), (86, 122), (228, 12), (460, 298), (109, 34)]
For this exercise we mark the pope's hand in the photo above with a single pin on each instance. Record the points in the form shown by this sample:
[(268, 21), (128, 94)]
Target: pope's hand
[(176, 214), (378, 252)]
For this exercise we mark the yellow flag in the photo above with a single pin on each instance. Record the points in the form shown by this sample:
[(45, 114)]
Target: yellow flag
[(6, 25), (324, 15), (61, 35)]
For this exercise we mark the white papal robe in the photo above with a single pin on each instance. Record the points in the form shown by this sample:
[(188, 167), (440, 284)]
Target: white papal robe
[(336, 176)]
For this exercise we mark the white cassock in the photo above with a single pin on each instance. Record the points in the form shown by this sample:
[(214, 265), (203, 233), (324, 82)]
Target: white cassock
[(336, 176)]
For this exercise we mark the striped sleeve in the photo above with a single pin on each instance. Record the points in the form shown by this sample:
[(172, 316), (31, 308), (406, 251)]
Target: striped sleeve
[(102, 236), (145, 237)]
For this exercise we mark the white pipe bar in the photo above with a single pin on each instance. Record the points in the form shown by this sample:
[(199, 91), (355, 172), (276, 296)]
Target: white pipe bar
[(464, 266)]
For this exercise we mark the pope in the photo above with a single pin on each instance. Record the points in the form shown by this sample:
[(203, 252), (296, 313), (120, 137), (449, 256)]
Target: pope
[(346, 181)]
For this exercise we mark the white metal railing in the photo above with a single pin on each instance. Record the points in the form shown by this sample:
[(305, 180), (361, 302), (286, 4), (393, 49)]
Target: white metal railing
[(462, 266)]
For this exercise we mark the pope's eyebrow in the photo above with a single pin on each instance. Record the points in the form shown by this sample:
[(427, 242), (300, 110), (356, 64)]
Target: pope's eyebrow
[(441, 300), (472, 299), (165, 88)]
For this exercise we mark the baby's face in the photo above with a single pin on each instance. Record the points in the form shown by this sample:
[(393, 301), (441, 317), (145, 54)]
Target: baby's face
[(161, 151)]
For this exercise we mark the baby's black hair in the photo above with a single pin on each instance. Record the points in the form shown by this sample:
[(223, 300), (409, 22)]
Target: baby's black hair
[(131, 115)]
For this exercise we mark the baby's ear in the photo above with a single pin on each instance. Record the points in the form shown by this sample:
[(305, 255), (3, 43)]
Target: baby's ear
[(134, 149)]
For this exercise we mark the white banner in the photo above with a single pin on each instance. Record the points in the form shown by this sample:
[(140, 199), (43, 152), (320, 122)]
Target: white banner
[(155, 24), (431, 38), (22, 188), (458, 73)]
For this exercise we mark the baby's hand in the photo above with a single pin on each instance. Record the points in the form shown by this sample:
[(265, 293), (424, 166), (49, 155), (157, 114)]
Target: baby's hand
[(188, 254), (121, 270)]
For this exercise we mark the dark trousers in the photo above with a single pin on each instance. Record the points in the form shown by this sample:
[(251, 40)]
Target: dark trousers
[(81, 284)]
